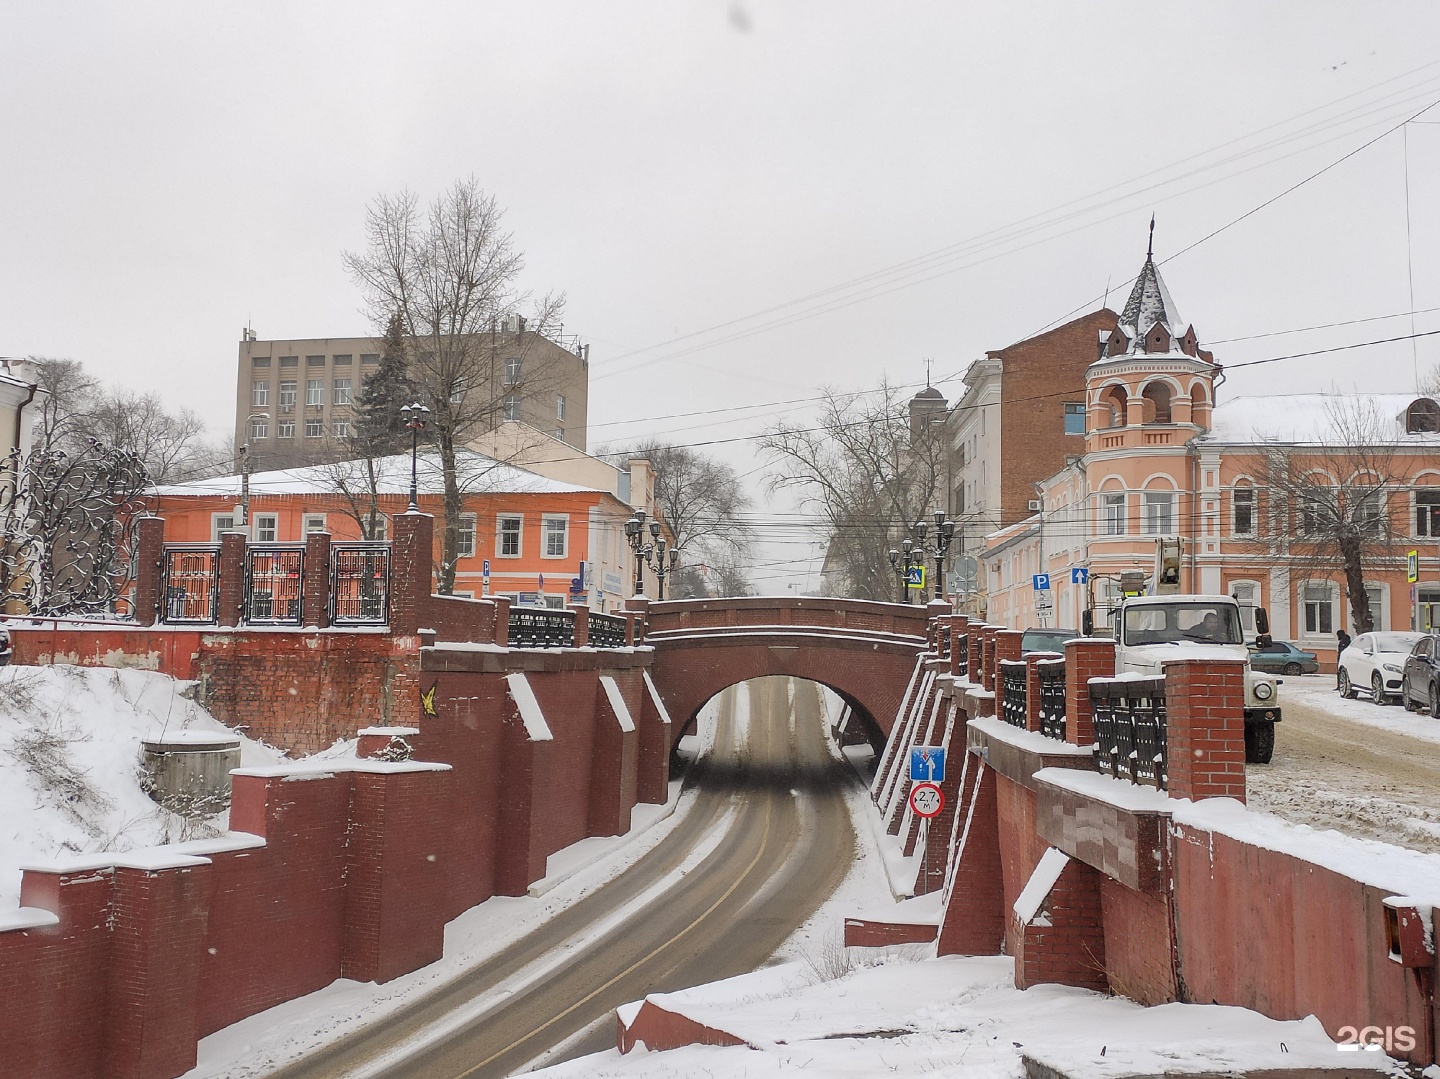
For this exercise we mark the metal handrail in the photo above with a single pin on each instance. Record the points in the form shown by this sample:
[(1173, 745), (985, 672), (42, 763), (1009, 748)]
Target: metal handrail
[(606, 630), (1050, 673), (1013, 707), (541, 627), (962, 667), (1130, 730)]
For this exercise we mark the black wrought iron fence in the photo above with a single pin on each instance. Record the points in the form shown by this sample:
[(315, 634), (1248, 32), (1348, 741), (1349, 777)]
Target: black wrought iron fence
[(1130, 730), (943, 639), (359, 584), (1051, 676), (190, 584), (962, 664), (1012, 676), (274, 585), (606, 630), (541, 627)]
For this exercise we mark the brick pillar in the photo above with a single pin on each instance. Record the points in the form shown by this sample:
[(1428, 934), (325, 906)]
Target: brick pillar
[(502, 620), (1064, 940), (959, 626), (1006, 644), (1205, 728), (316, 602), (582, 624), (1032, 689), (937, 612), (987, 659), (974, 919), (232, 579), (149, 567), (1085, 658), (411, 558), (639, 606)]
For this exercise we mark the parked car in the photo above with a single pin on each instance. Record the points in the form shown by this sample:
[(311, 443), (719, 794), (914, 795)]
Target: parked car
[(1376, 661), (1420, 682), (1043, 639), (1282, 657)]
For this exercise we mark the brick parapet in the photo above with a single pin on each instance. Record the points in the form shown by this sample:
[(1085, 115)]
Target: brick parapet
[(1205, 728), (1085, 658), (411, 555), (502, 620), (1064, 941), (1005, 645), (149, 568)]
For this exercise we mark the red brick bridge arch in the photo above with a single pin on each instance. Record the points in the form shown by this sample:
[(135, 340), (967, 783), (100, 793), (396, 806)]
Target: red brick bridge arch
[(863, 650)]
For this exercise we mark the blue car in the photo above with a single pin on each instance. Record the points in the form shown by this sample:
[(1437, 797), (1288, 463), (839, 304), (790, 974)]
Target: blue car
[(1282, 657)]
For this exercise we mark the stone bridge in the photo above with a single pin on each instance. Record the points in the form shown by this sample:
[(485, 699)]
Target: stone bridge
[(863, 650)]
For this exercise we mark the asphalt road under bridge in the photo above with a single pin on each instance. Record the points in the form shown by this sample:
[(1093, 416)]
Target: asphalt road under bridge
[(787, 847)]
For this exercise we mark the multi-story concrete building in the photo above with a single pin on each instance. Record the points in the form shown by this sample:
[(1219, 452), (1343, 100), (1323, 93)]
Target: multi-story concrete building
[(294, 399)]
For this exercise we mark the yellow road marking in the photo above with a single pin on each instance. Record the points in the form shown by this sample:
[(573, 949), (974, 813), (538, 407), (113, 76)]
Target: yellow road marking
[(764, 841)]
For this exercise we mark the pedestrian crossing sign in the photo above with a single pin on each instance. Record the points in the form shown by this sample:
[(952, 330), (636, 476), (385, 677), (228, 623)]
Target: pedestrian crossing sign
[(915, 577)]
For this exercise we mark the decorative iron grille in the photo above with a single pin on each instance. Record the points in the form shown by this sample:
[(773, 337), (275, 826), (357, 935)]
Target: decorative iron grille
[(962, 668), (541, 627), (1051, 675), (944, 640), (606, 630), (274, 585), (1130, 730), (359, 584), (190, 584), (1012, 708)]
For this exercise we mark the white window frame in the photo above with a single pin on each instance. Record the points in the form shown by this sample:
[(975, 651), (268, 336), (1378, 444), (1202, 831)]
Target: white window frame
[(342, 428), (258, 527), (216, 528), (289, 390), (314, 392), (513, 367), (340, 394), (513, 404), (318, 426), (1253, 503), (548, 532), (1151, 523), (259, 428), (1247, 610), (559, 406), (1322, 631), (500, 534), (469, 526), (285, 429), (312, 522), (1113, 524), (381, 524), (260, 393)]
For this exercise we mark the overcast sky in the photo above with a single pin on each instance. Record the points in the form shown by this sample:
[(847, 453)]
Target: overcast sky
[(686, 172)]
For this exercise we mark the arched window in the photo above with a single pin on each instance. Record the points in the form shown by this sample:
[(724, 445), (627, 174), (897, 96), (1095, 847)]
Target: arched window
[(1422, 417), (1116, 400), (1158, 394)]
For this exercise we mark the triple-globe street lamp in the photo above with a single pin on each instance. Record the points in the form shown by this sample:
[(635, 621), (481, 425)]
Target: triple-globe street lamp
[(651, 551), (415, 418)]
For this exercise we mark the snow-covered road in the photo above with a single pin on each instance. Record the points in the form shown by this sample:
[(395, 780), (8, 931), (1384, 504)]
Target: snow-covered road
[(1363, 769)]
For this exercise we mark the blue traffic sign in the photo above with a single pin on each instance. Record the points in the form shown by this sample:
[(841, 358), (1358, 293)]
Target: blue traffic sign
[(1079, 575), (915, 576), (927, 764), (1041, 582)]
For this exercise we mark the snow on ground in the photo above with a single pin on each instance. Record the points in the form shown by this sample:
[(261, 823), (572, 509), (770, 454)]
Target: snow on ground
[(1318, 691), (961, 1016), (279, 1035), (70, 763)]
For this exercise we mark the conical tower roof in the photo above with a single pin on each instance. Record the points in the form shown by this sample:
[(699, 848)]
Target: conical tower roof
[(1150, 302)]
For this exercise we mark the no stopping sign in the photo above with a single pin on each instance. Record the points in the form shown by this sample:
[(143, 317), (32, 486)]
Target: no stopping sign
[(926, 799)]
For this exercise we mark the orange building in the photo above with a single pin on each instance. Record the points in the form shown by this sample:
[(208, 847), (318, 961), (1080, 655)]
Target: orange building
[(522, 535)]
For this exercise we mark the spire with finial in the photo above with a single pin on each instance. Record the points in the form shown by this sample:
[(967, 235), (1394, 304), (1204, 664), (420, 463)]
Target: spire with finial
[(1150, 251)]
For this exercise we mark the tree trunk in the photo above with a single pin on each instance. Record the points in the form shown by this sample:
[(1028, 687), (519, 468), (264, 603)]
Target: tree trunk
[(1351, 551), (450, 549)]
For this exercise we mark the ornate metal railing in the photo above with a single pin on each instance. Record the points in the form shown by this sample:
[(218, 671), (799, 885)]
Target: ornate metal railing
[(1130, 730), (1051, 676), (541, 627), (943, 640), (274, 585), (359, 584), (962, 665), (606, 630), (190, 584), (1012, 708)]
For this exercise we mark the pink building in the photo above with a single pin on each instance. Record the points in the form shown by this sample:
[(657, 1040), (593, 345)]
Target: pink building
[(1163, 457)]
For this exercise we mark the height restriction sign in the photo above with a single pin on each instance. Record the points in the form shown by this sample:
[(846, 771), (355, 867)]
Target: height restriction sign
[(926, 799)]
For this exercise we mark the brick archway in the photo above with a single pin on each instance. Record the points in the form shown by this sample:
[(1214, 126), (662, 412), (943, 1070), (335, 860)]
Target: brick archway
[(864, 651)]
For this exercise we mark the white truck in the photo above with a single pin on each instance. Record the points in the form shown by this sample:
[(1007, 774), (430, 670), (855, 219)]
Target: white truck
[(1155, 623)]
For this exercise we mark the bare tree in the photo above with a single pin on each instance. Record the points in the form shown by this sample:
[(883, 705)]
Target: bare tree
[(1328, 503), (704, 504), (866, 476), (450, 276), (172, 445)]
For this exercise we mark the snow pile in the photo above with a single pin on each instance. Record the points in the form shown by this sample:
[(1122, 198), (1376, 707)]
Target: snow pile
[(959, 1016), (70, 763), (1318, 691)]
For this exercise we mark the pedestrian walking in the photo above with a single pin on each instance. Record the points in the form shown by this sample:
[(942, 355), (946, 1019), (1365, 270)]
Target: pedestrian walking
[(1344, 642)]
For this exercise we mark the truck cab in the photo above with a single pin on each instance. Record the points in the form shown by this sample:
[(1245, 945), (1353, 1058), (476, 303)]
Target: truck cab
[(1165, 625)]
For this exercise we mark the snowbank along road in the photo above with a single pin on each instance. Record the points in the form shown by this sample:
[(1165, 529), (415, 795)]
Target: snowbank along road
[(768, 840)]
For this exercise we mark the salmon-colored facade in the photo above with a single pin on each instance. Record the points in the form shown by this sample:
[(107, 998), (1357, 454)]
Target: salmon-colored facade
[(533, 532), (1162, 458)]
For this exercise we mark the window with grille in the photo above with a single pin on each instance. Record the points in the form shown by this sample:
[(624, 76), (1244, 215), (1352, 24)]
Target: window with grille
[(507, 536), (1242, 504), (556, 532)]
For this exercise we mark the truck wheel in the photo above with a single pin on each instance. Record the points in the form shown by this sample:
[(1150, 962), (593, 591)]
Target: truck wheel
[(1292, 669), (1344, 686), (1259, 742)]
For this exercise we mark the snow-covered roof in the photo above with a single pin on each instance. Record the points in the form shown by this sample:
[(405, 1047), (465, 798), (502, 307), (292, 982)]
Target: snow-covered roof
[(478, 474), (1328, 419), (1150, 302)]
